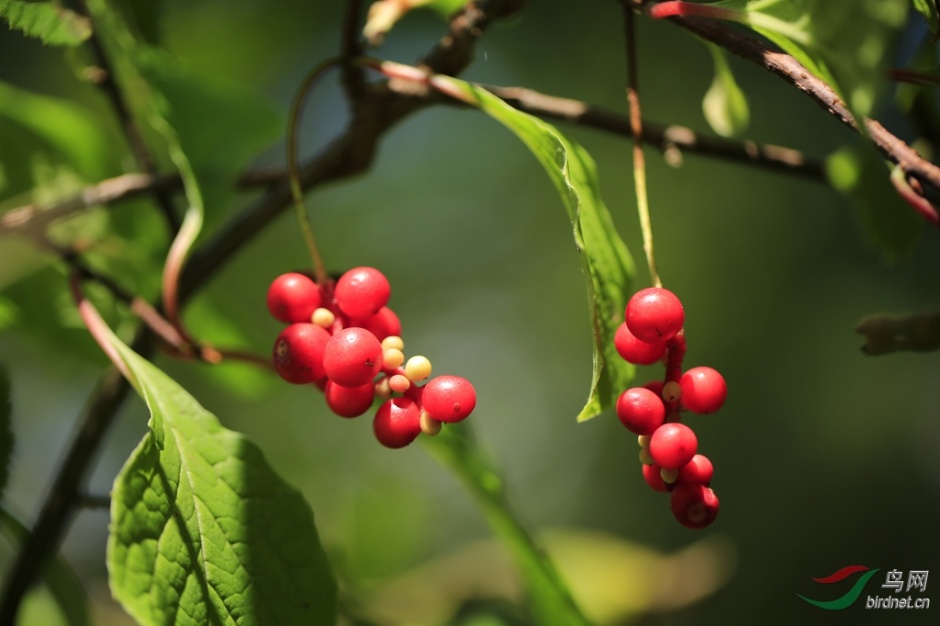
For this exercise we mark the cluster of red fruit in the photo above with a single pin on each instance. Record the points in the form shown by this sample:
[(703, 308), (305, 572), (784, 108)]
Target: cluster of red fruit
[(345, 340), (652, 332)]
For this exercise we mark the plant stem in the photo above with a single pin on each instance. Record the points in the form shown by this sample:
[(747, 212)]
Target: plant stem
[(636, 129), (293, 168), (456, 448)]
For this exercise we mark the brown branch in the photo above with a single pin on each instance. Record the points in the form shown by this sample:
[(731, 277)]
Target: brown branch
[(665, 138), (925, 173)]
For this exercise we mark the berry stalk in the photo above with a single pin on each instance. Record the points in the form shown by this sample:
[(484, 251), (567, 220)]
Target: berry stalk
[(293, 168), (639, 162)]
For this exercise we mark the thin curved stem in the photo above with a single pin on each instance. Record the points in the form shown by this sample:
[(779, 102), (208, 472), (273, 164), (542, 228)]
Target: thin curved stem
[(636, 129), (293, 167)]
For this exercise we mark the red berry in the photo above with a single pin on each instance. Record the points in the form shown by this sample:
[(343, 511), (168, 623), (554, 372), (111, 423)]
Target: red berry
[(448, 398), (703, 390), (349, 401), (640, 410), (635, 351), (352, 357), (653, 477), (654, 315), (673, 445), (293, 297), (693, 505), (397, 422), (362, 292), (699, 471), (383, 324), (298, 353), (656, 386)]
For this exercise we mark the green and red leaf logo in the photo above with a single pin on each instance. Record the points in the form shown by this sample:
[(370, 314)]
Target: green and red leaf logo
[(850, 596)]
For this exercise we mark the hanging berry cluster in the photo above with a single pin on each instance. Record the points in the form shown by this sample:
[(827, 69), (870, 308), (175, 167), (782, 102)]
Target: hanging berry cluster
[(652, 332), (343, 338)]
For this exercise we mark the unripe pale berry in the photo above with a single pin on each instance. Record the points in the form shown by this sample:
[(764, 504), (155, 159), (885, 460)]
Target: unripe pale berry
[(693, 505), (349, 401), (448, 398), (352, 357), (298, 353), (397, 422), (672, 391), (634, 350), (399, 383), (293, 297), (362, 292), (673, 445), (654, 315), (418, 368), (703, 390), (640, 410), (429, 425)]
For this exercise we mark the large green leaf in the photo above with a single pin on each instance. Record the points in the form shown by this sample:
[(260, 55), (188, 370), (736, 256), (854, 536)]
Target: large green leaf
[(49, 21), (203, 531), (607, 264), (844, 43), (64, 586)]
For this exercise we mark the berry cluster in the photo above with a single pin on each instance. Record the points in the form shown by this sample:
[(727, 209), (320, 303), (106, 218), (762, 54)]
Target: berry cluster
[(343, 338), (651, 332)]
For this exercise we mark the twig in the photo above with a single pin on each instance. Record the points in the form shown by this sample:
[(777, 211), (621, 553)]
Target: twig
[(665, 138), (793, 72), (106, 81)]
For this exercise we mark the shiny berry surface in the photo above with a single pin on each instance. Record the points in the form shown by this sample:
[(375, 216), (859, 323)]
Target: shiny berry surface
[(654, 315), (298, 353), (397, 422), (693, 505), (352, 357), (362, 292), (449, 398), (636, 351), (703, 390), (673, 445), (640, 410), (293, 297)]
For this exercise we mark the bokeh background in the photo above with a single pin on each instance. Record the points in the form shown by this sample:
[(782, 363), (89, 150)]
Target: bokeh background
[(824, 457)]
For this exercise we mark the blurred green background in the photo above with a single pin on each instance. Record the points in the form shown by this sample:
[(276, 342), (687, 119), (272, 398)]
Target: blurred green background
[(824, 458)]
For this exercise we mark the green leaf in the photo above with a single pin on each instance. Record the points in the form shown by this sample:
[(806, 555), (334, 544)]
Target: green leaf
[(48, 21), (887, 224), (843, 43), (725, 106), (63, 585), (550, 599), (203, 531), (605, 260), (928, 8), (6, 428), (68, 128)]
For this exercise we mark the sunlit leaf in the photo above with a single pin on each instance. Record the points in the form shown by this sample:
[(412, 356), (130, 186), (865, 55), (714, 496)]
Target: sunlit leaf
[(203, 531), (605, 260), (49, 21), (928, 8), (887, 224), (725, 106), (64, 587), (844, 43)]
